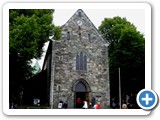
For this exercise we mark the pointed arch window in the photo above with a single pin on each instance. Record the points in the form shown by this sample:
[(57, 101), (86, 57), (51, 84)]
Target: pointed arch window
[(81, 62), (85, 62), (77, 62)]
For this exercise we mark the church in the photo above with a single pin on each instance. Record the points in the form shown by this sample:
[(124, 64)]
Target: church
[(76, 66)]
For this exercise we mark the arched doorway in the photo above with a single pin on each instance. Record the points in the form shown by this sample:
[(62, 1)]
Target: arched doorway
[(81, 89)]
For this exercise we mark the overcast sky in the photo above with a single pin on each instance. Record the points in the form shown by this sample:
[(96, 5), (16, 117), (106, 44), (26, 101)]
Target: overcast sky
[(135, 16)]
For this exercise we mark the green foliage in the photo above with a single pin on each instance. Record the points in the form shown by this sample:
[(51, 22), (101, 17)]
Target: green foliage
[(111, 28), (127, 51), (57, 33), (28, 31)]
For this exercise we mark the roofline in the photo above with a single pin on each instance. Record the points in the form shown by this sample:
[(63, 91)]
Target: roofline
[(90, 22), (94, 27)]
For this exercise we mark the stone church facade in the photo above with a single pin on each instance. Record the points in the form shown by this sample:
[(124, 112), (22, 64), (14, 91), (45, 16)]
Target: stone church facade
[(78, 64)]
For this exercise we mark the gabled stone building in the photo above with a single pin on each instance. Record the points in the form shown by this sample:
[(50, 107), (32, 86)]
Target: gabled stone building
[(77, 65)]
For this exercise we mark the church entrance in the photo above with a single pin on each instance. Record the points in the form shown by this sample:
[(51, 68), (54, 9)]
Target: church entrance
[(80, 97), (81, 89)]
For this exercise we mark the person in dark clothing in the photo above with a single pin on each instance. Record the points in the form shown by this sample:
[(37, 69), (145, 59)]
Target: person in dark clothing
[(65, 105), (93, 101), (130, 104), (113, 105), (13, 106)]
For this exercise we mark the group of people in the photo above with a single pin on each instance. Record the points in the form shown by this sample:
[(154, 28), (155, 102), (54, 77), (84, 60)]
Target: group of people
[(128, 102), (128, 106), (85, 104), (63, 105), (79, 104), (12, 106), (123, 106)]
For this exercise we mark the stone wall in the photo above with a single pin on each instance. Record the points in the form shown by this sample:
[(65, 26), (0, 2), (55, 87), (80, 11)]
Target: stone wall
[(83, 37)]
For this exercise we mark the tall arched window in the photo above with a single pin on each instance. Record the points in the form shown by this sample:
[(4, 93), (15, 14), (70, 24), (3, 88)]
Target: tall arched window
[(77, 62), (85, 62), (81, 62)]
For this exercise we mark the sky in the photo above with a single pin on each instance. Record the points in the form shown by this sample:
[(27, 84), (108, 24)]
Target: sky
[(135, 16)]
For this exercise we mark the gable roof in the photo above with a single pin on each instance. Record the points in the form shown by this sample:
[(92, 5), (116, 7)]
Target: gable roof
[(80, 10)]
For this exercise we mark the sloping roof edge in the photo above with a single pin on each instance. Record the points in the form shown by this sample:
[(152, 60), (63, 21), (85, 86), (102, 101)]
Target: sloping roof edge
[(89, 21)]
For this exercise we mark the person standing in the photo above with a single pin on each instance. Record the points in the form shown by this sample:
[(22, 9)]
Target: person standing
[(13, 106), (85, 106), (78, 103), (65, 105), (60, 104), (124, 106), (113, 105), (93, 102), (98, 105)]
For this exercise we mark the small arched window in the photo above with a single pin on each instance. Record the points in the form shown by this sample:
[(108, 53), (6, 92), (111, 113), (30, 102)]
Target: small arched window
[(80, 37), (89, 37), (79, 14), (68, 35), (58, 88)]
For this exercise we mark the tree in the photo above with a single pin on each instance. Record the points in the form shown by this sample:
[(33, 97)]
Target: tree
[(28, 31), (127, 51)]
